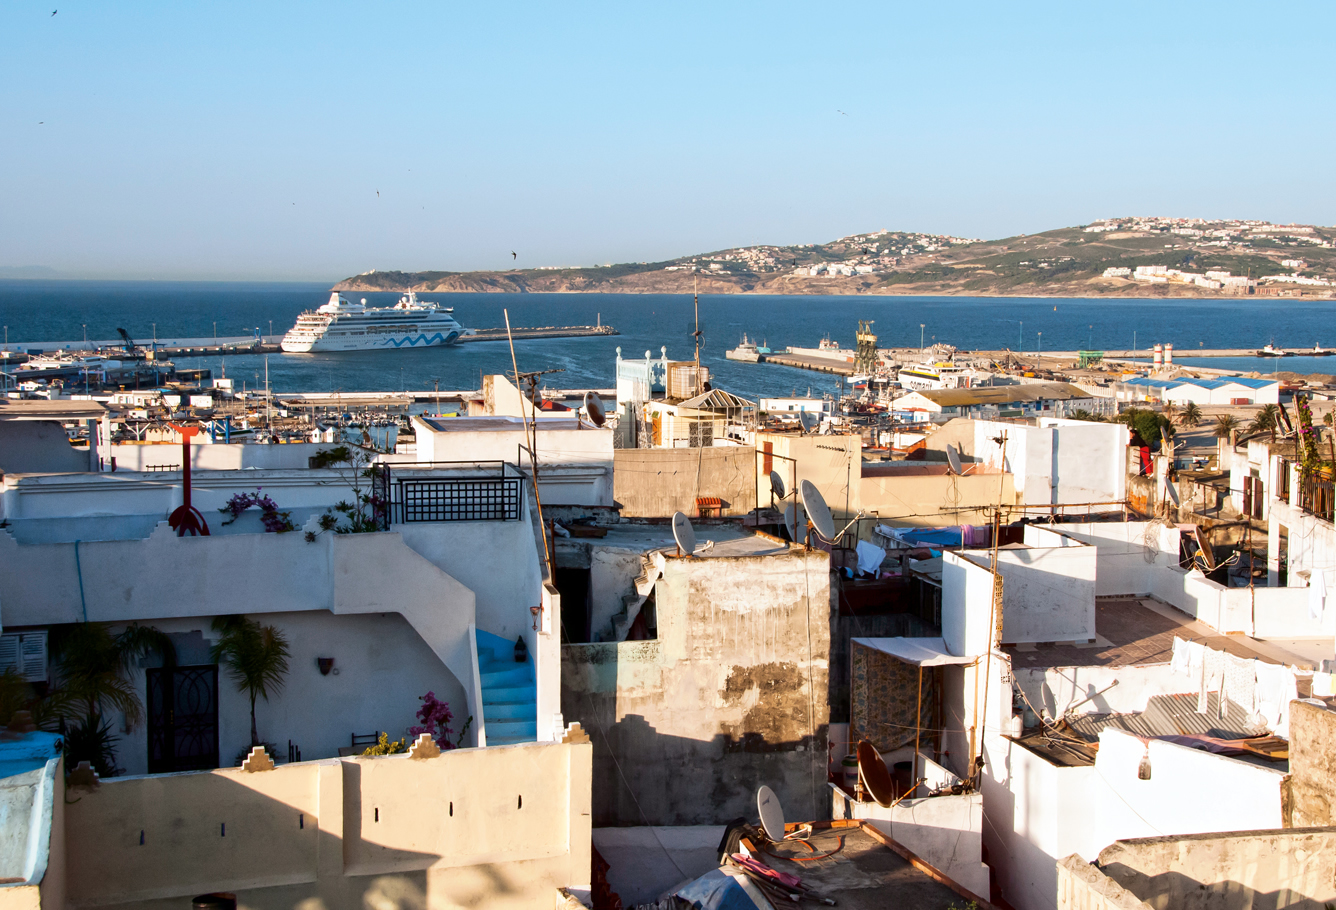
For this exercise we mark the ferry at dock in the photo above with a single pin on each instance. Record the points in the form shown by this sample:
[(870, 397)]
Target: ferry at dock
[(941, 375), (748, 351), (341, 325)]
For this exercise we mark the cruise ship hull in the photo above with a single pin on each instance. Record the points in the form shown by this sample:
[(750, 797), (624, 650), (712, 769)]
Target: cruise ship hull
[(370, 342)]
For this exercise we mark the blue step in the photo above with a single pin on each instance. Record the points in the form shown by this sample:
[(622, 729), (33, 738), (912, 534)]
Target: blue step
[(509, 694)]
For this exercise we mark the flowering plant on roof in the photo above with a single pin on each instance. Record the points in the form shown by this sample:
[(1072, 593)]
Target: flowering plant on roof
[(274, 521), (1310, 462), (435, 716)]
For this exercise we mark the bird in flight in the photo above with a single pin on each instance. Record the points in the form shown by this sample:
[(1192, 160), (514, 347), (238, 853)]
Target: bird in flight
[(514, 255), (377, 194), (841, 112), (54, 11)]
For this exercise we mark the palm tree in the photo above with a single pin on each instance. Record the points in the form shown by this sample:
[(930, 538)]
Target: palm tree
[(1170, 409), (93, 668), (1225, 424), (1191, 415), (256, 657), (1267, 420)]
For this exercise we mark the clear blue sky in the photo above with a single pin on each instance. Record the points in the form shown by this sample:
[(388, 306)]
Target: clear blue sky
[(233, 140)]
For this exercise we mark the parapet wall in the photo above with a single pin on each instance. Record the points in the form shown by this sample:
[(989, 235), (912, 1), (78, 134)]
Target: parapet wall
[(503, 826)]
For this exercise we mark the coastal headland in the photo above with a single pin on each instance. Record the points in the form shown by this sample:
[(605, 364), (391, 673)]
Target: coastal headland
[(1119, 257)]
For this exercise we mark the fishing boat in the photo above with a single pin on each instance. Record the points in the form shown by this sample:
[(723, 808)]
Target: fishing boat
[(1272, 351)]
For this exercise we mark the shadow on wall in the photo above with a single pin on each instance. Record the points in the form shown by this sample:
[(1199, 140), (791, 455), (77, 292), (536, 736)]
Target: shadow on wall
[(390, 832), (644, 777)]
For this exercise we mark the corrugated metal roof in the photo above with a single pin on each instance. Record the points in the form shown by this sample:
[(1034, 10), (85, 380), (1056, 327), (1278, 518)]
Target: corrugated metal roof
[(1170, 715), (1034, 391)]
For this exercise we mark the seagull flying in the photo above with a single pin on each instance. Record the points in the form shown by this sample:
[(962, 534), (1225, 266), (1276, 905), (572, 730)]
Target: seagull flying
[(54, 11), (841, 112), (514, 255), (377, 194)]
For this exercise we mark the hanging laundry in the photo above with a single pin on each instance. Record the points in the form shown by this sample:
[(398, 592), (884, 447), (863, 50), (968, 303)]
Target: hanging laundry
[(1317, 593), (1240, 684), (1179, 663)]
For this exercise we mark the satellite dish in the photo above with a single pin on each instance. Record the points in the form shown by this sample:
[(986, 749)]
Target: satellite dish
[(953, 458), (808, 420), (594, 408), (777, 485), (772, 814), (684, 534), (872, 772), (817, 510), (794, 521)]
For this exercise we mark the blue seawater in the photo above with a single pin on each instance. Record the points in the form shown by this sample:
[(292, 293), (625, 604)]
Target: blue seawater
[(46, 311)]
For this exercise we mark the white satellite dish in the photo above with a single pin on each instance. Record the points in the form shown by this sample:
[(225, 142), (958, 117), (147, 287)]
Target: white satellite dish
[(594, 409), (771, 812), (684, 534), (817, 510), (808, 420), (777, 485), (794, 521), (953, 458)]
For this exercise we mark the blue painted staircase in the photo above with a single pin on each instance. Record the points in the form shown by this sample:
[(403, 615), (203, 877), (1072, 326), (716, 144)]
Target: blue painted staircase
[(509, 692)]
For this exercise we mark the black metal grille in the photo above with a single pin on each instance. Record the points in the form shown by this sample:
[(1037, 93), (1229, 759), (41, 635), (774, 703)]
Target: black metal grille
[(463, 499)]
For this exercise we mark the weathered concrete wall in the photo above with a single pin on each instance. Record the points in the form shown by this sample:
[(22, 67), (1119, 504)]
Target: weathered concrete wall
[(655, 483), (730, 696), (498, 827), (1235, 871), (931, 500), (1083, 886), (1312, 784)]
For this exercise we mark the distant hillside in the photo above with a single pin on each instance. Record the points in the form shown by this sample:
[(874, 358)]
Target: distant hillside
[(1288, 260)]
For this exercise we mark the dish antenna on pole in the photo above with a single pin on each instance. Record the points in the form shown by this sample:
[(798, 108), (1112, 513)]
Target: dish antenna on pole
[(684, 534), (794, 521), (771, 812), (777, 486), (953, 458), (808, 420), (594, 409), (817, 510), (872, 771)]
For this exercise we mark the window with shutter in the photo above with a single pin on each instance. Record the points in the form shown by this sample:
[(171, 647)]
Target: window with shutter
[(25, 654)]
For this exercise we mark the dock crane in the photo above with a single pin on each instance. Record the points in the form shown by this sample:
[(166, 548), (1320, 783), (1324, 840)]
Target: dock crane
[(130, 345)]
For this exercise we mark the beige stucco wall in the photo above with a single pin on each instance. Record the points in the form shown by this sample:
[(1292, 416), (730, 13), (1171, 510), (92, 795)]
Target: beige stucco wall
[(1235, 871), (933, 500), (499, 827), (1312, 782), (655, 483), (731, 695)]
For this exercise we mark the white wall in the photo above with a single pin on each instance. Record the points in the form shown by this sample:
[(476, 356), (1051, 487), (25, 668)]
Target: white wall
[(383, 667), (944, 831), (1059, 461), (1048, 591), (1128, 553), (207, 456), (967, 605), (165, 577)]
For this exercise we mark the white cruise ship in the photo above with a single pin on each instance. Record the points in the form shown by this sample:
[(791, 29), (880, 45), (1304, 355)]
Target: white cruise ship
[(343, 326)]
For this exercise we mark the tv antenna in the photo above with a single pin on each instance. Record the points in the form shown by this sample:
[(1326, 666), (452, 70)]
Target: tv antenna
[(684, 534), (531, 431)]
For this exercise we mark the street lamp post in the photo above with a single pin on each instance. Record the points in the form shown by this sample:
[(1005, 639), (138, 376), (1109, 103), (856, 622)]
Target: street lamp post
[(1090, 343), (922, 326), (1020, 336), (85, 330), (1039, 349)]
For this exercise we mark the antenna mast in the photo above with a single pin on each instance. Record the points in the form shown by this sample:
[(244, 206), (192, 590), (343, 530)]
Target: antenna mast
[(695, 299)]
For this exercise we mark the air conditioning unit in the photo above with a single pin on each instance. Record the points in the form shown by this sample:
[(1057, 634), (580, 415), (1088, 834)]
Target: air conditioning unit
[(25, 654)]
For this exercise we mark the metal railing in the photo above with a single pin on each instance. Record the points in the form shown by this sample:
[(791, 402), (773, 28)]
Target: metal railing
[(449, 491)]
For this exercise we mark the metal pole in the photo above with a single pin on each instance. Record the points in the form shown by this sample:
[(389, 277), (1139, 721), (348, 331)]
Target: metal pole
[(921, 327)]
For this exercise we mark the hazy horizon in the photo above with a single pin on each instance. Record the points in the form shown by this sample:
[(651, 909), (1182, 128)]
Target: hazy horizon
[(151, 141)]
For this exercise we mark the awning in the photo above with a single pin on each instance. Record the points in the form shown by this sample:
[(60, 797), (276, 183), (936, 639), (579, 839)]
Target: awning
[(921, 652)]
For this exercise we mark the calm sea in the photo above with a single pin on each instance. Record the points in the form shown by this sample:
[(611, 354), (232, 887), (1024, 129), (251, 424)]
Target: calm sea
[(43, 311)]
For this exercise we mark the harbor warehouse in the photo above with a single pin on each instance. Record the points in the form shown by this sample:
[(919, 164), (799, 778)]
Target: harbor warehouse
[(1049, 399)]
